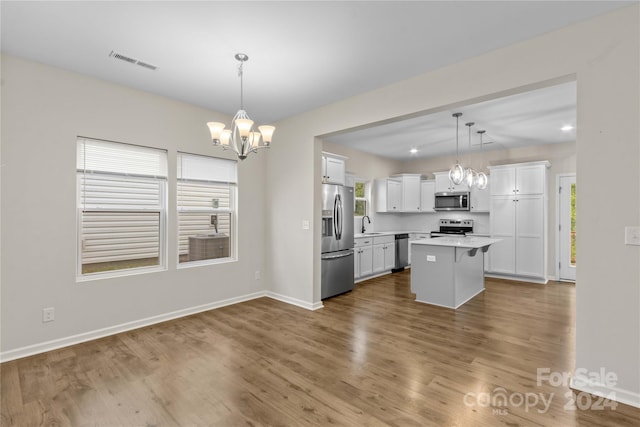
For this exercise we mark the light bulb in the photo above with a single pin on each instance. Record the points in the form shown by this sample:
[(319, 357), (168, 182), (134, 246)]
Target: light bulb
[(225, 137), (216, 129), (456, 174), (481, 181), (267, 133), (244, 127)]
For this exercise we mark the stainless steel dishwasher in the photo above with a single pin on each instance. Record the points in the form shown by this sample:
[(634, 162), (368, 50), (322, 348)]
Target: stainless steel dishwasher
[(402, 252)]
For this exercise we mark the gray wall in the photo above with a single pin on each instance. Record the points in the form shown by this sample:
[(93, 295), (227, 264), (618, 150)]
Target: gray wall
[(44, 109)]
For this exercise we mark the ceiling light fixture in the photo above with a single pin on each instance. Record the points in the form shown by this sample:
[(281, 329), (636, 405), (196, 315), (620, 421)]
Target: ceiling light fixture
[(470, 173), (241, 138), (472, 176), (566, 128), (457, 172), (413, 150)]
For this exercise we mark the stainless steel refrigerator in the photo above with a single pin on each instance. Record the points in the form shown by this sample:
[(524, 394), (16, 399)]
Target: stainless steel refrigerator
[(337, 240)]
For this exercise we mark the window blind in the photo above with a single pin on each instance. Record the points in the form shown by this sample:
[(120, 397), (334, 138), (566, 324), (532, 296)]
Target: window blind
[(118, 158), (192, 167)]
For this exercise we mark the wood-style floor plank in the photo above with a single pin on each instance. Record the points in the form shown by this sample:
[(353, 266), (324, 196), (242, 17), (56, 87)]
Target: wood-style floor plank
[(372, 357)]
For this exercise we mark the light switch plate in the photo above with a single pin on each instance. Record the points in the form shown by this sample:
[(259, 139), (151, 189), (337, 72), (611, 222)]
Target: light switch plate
[(632, 236), (431, 258)]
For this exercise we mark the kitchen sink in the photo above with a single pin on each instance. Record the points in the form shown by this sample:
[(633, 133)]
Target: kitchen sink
[(371, 234)]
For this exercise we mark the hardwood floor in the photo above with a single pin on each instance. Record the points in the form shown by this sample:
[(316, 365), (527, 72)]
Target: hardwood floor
[(370, 357)]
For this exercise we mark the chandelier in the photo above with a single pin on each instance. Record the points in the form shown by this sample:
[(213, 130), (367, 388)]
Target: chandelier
[(459, 174), (241, 138)]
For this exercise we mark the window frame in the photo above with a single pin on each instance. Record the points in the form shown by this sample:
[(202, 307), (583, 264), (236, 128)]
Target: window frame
[(232, 210), (366, 198), (162, 182)]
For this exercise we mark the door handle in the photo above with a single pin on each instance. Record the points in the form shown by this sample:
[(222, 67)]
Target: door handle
[(339, 217), (335, 218), (343, 255)]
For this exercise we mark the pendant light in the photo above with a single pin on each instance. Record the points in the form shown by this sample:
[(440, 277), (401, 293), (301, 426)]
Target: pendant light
[(481, 180), (457, 172), (241, 138), (470, 173)]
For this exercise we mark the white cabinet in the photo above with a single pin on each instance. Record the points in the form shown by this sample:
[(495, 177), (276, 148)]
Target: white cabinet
[(519, 219), (522, 178), (427, 195), (444, 184), (410, 192), (398, 193), (363, 257), (333, 168), (480, 200), (384, 255), (388, 195), (373, 255)]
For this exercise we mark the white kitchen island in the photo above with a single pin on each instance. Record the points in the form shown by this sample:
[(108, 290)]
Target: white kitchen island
[(448, 271)]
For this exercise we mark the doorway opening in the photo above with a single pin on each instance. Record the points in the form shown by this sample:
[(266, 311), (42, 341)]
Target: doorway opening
[(566, 237)]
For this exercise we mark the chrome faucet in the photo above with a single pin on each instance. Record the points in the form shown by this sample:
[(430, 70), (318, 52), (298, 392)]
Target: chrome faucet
[(368, 219)]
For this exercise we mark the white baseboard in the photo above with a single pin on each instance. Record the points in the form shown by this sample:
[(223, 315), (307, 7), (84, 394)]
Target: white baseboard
[(30, 350), (294, 301), (536, 280), (619, 395)]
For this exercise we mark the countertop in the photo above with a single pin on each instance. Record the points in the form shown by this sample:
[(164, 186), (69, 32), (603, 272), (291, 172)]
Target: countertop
[(387, 233), (457, 242)]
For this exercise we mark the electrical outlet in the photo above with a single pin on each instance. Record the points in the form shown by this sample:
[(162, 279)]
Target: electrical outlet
[(256, 275), (305, 224), (632, 236), (431, 258), (48, 314)]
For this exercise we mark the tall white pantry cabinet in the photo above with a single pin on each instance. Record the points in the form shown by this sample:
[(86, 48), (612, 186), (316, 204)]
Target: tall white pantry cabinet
[(519, 217)]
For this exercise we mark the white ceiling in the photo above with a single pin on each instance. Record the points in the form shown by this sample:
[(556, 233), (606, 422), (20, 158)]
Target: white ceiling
[(303, 54), (530, 118)]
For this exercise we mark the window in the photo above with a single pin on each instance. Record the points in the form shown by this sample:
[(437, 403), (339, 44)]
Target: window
[(361, 193), (206, 192), (121, 203)]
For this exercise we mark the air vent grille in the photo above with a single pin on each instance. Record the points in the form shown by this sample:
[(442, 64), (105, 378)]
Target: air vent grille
[(131, 60)]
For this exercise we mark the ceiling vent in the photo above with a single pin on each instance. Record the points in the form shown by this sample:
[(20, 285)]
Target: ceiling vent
[(131, 60)]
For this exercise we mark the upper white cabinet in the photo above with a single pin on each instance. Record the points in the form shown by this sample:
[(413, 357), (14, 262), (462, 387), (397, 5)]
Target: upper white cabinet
[(518, 207), (427, 194), (521, 178), (410, 192), (388, 192), (333, 168), (480, 199), (398, 193), (444, 184)]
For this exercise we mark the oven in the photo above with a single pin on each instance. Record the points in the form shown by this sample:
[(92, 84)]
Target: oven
[(453, 227)]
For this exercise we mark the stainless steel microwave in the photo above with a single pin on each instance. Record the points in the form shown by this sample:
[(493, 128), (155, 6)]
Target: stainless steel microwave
[(458, 201)]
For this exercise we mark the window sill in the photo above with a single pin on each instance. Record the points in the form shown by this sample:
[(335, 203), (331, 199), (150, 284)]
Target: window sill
[(119, 273), (204, 262)]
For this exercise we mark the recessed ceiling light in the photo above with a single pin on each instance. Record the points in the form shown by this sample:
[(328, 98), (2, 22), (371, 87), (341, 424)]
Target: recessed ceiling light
[(413, 150), (566, 128)]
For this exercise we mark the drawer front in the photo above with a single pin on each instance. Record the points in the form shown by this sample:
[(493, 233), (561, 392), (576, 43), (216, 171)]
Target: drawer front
[(384, 239), (362, 241)]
